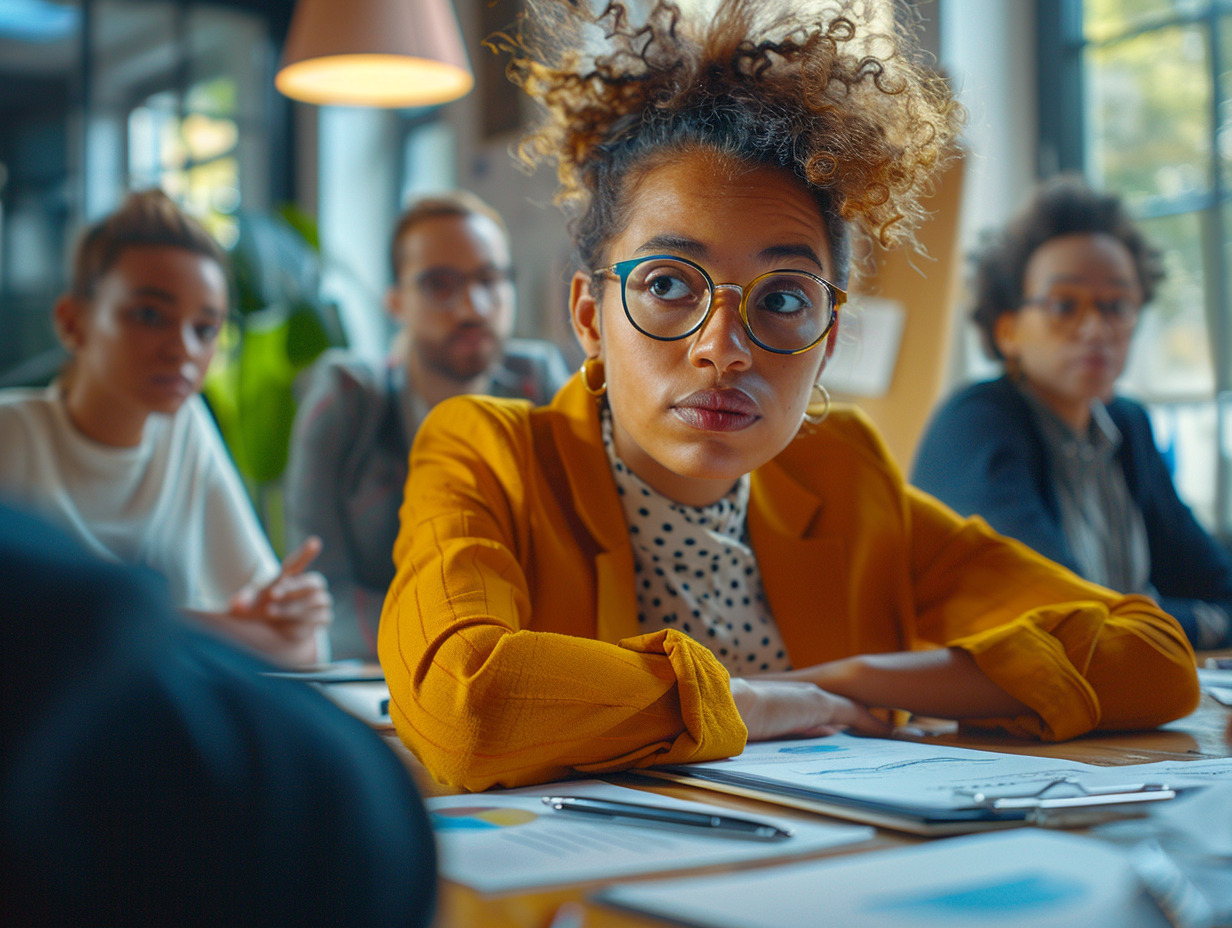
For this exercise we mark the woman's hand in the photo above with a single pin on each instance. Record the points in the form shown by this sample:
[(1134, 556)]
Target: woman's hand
[(787, 708), (282, 619), (943, 683)]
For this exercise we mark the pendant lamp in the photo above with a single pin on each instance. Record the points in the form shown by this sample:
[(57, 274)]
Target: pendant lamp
[(390, 53)]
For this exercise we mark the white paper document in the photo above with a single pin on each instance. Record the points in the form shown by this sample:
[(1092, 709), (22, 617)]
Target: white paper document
[(1217, 684), (1021, 879), (366, 700), (934, 774), (500, 841), (1183, 852)]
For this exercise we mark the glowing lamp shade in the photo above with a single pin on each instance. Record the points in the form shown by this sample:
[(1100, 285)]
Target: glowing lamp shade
[(391, 53)]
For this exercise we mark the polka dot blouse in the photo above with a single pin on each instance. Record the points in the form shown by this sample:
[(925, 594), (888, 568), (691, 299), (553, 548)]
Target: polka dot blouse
[(696, 573)]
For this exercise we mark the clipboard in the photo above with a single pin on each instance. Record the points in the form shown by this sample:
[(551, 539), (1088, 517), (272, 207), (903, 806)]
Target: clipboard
[(972, 812)]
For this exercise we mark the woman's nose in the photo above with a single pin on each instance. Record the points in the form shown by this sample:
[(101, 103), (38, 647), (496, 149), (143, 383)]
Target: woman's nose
[(722, 340), (1091, 319), (183, 343)]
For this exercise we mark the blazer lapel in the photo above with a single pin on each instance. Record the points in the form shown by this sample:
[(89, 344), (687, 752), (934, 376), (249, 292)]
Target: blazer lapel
[(804, 575), (579, 437)]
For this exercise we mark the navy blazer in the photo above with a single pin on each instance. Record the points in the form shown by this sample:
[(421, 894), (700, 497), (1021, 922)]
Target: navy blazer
[(151, 775), (984, 454)]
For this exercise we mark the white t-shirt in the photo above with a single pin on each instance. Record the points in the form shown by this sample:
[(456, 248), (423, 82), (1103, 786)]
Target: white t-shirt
[(173, 503)]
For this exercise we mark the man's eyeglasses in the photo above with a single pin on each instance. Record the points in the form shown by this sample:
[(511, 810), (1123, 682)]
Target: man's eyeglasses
[(668, 298), (1066, 309), (444, 285)]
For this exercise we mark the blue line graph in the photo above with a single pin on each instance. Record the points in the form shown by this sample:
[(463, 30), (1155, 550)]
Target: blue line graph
[(964, 762)]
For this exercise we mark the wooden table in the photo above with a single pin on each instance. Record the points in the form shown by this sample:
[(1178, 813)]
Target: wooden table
[(1202, 735)]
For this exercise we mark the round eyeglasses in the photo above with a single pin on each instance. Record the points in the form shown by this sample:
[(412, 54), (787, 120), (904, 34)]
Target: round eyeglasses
[(668, 298), (444, 286), (1066, 310)]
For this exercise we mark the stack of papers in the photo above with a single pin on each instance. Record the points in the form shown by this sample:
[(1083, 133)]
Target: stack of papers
[(356, 686), (1183, 852), (934, 789), (1022, 879), (1216, 683), (367, 701), (501, 841)]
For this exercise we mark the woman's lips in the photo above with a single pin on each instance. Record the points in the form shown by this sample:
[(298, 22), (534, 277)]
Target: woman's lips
[(718, 410), (1095, 361), (174, 384)]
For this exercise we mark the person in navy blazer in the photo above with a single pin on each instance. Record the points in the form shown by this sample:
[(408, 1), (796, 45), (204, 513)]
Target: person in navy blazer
[(1057, 298), (153, 776)]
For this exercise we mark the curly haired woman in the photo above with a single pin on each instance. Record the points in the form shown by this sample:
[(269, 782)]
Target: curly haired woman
[(1048, 453), (683, 551)]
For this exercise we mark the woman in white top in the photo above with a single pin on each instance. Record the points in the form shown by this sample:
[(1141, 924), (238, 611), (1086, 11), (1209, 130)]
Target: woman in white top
[(121, 451)]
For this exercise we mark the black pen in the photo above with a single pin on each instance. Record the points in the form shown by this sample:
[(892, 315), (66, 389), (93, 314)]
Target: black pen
[(729, 826)]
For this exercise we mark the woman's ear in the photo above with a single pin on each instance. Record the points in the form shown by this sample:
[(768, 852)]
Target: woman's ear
[(393, 304), (68, 317), (1005, 334), (584, 314)]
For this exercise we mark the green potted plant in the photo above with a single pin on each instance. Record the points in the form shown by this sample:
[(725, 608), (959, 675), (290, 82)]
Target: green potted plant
[(281, 325)]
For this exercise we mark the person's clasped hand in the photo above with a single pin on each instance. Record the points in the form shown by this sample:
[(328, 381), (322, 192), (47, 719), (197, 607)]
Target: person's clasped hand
[(290, 610), (787, 708)]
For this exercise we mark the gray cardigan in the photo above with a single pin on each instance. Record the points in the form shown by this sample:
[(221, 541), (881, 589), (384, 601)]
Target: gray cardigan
[(348, 466)]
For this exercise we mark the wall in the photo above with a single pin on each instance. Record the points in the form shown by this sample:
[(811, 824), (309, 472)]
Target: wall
[(540, 240), (988, 49), (924, 289), (357, 160), (356, 208)]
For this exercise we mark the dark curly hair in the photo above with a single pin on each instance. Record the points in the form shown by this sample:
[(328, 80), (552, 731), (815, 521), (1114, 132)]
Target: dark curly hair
[(833, 90), (1063, 205)]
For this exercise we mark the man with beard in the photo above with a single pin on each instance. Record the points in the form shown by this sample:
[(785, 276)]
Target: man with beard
[(454, 298)]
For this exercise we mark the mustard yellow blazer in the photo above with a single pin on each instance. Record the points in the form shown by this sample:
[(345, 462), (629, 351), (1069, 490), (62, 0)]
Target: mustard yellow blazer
[(510, 639)]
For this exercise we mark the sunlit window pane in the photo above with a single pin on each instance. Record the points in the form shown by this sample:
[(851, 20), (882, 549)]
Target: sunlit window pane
[(212, 193), (1223, 139), (143, 156), (192, 158), (1171, 355), (1105, 19), (1185, 434), (1148, 126), (213, 97), (1157, 124), (207, 138)]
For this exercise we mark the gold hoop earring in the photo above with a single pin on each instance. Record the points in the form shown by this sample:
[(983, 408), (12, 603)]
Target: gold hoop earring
[(819, 405), (590, 367)]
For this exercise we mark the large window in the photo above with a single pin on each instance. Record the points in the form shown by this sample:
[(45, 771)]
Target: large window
[(1139, 98), (101, 96), (190, 152), (39, 43), (185, 88)]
